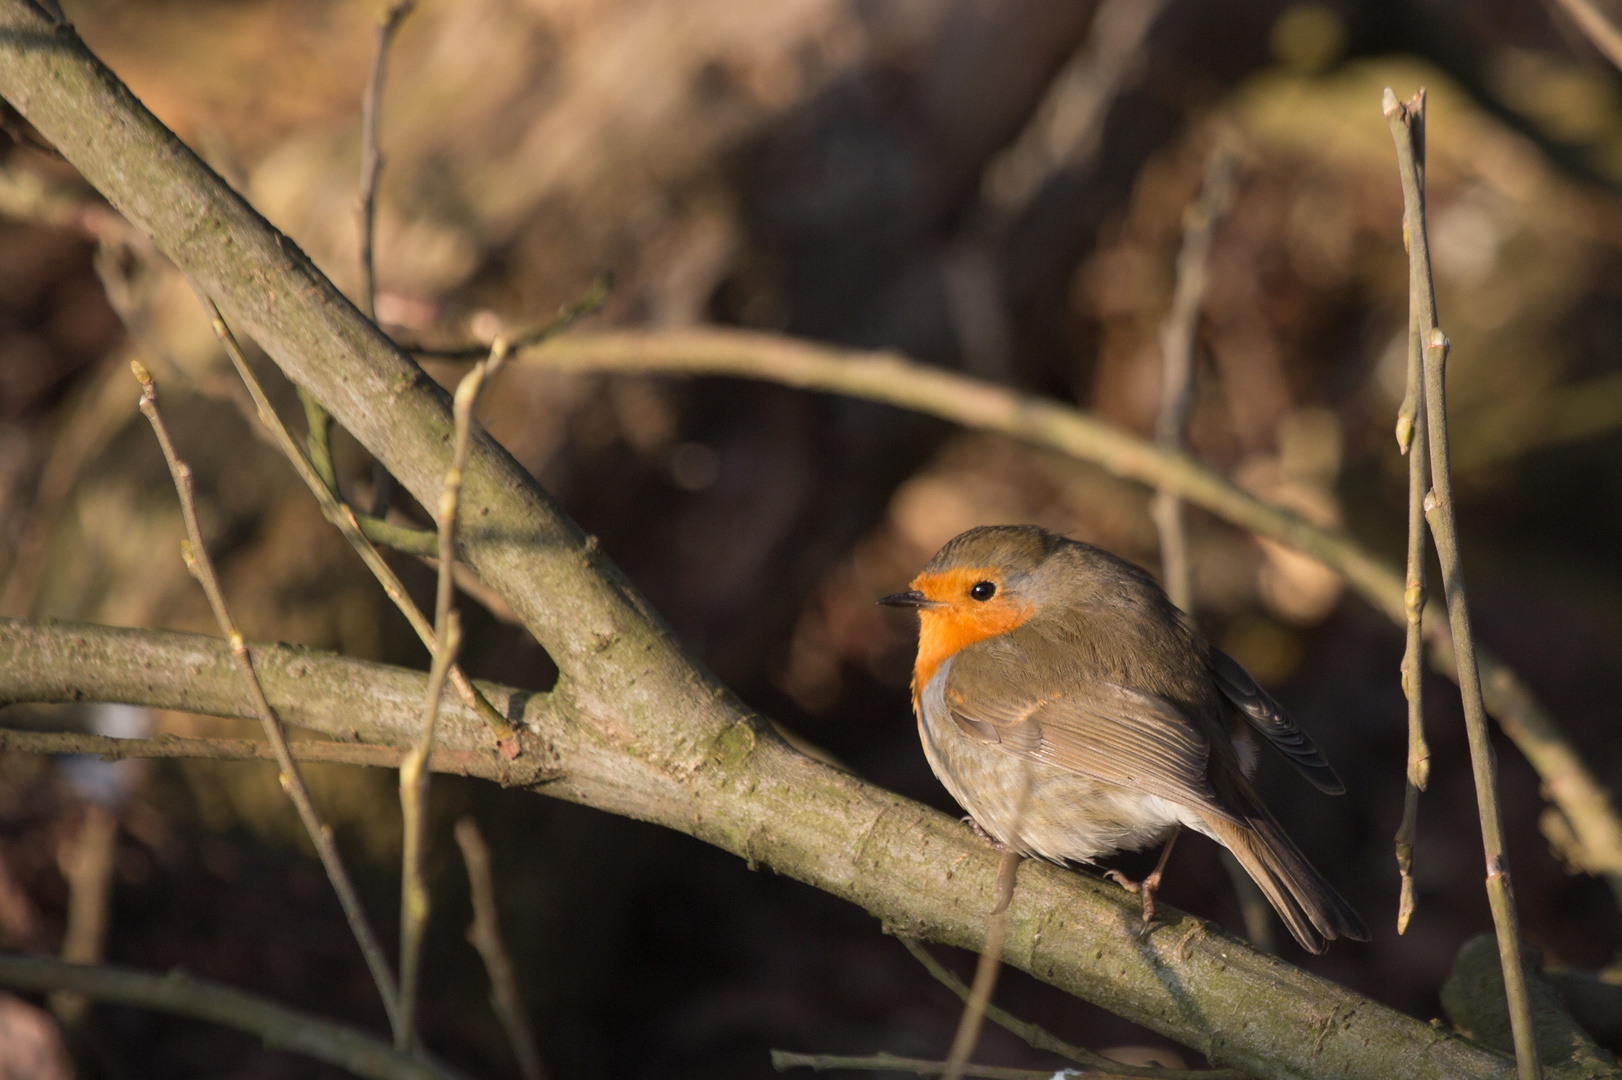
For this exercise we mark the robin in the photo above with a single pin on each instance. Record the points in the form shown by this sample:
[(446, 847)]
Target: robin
[(1068, 706)]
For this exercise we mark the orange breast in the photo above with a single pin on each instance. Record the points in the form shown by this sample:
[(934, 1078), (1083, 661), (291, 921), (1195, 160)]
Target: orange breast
[(959, 623)]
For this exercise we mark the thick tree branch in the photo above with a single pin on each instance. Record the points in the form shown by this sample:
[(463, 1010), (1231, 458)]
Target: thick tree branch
[(920, 872)]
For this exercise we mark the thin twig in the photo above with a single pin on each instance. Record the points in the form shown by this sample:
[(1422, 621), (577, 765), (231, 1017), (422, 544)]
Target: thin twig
[(1439, 514), (973, 403), (318, 422), (413, 803), (371, 155), (566, 317), (485, 935), (1040, 1038), (197, 561), (280, 1027), (414, 776), (1412, 432), (783, 1060), (1599, 29), (1178, 334), (371, 169), (343, 518), (318, 440), (88, 867), (985, 976), (322, 751)]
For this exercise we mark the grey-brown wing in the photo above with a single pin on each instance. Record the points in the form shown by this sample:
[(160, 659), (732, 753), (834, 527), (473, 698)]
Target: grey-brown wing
[(1094, 728), (1270, 719)]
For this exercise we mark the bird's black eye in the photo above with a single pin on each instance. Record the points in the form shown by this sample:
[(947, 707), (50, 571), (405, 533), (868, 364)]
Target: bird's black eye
[(983, 590)]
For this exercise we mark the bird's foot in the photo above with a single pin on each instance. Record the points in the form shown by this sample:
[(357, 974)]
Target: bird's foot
[(980, 831), (1005, 870), (1145, 889)]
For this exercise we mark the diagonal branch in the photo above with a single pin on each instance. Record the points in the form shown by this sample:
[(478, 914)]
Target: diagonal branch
[(195, 554)]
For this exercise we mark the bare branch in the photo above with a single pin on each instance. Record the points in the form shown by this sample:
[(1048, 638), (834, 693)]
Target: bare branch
[(485, 935), (371, 155), (986, 968), (280, 1027), (1473, 999), (1412, 431), (195, 553), (1438, 508), (88, 867), (1178, 335), (447, 632)]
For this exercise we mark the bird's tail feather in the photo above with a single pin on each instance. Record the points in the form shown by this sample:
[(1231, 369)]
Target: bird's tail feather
[(1308, 904)]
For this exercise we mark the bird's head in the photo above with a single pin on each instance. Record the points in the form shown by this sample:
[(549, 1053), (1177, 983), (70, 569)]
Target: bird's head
[(984, 582)]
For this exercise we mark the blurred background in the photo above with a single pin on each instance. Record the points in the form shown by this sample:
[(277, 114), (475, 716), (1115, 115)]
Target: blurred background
[(993, 186)]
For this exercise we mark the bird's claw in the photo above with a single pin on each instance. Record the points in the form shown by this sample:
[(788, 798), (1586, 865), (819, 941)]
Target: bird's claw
[(980, 831), (1145, 889)]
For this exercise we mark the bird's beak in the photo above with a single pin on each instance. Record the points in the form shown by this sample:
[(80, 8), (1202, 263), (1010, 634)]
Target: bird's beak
[(911, 598)]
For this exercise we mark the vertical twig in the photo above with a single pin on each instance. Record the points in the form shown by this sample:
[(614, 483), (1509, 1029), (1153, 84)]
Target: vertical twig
[(413, 800), (1412, 431), (485, 935), (985, 973), (318, 440), (371, 156), (414, 773), (197, 561), (343, 518), (371, 168), (88, 867), (1439, 515), (1179, 334), (990, 962)]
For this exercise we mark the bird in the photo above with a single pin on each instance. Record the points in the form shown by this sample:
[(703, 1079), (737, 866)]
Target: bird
[(1071, 709)]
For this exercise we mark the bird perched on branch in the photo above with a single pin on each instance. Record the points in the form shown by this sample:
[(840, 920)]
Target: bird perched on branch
[(1071, 710)]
